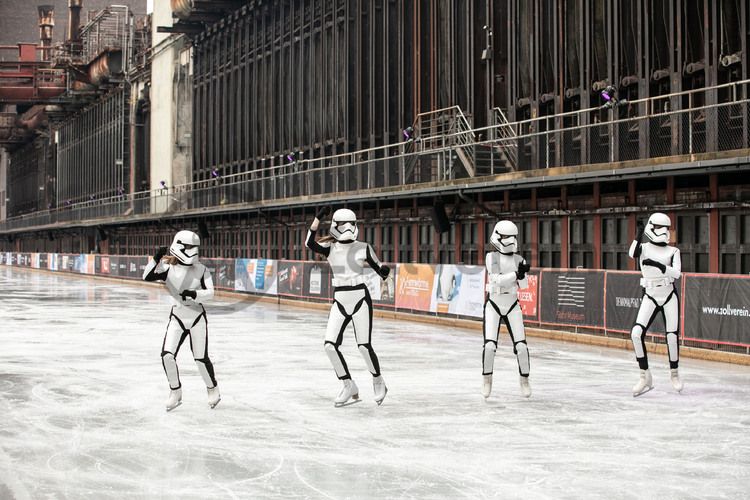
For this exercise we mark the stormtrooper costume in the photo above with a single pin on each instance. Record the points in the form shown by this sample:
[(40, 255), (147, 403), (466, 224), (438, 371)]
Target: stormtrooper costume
[(506, 272), (351, 299), (660, 266), (189, 283)]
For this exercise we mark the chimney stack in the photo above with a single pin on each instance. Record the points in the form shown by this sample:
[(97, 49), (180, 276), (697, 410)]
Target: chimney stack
[(74, 19), (46, 25)]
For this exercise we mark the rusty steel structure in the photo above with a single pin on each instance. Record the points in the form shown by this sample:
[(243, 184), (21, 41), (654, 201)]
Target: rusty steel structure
[(92, 150), (65, 116), (572, 117)]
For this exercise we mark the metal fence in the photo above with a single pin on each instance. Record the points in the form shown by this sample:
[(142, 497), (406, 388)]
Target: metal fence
[(443, 148)]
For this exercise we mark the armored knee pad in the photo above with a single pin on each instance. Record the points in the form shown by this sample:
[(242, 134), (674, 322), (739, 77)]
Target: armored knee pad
[(370, 358), (522, 355), (673, 348)]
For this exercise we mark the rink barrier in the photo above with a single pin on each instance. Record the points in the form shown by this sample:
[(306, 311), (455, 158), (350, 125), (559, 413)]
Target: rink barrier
[(715, 308)]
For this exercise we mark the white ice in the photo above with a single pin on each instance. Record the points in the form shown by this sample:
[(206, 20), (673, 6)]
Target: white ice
[(82, 395)]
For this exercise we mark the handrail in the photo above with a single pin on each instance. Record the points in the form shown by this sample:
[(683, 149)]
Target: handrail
[(458, 136)]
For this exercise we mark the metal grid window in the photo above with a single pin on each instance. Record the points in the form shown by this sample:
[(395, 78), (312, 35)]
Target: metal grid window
[(735, 244), (550, 233), (581, 238), (615, 243), (693, 240)]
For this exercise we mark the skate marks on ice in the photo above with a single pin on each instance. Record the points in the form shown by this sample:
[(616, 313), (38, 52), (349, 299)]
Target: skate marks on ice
[(82, 406)]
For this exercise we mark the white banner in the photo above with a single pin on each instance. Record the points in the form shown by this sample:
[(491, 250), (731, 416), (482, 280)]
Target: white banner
[(458, 290)]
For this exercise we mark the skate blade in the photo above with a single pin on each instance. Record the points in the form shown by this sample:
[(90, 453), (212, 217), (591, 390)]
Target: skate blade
[(173, 407), (354, 400), (380, 401), (648, 389), (212, 406)]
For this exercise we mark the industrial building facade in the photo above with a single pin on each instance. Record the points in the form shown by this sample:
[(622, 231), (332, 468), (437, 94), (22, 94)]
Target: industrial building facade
[(420, 111)]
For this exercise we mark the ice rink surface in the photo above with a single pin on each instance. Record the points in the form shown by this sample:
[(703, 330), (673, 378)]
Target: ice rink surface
[(82, 395)]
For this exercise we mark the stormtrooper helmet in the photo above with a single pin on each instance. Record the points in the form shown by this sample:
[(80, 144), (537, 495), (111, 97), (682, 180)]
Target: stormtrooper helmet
[(185, 247), (505, 237), (344, 225), (657, 228)]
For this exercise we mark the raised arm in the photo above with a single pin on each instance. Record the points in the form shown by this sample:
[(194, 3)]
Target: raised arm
[(154, 270), (635, 247), (375, 263), (310, 240)]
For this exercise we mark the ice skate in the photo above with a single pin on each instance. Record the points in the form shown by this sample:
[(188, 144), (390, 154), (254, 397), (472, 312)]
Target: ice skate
[(645, 384), (175, 399), (213, 396), (349, 391), (379, 389), (486, 385), (525, 387), (675, 378)]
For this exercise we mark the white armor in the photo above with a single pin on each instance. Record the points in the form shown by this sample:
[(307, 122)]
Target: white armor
[(188, 316), (502, 304), (351, 299), (657, 228), (344, 225), (185, 247), (505, 237), (660, 266)]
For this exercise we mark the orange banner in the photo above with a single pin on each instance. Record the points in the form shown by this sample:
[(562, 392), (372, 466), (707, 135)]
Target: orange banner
[(414, 286)]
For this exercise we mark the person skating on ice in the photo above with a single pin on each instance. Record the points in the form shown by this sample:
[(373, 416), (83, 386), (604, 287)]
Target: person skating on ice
[(506, 274), (189, 283), (351, 298), (660, 266)]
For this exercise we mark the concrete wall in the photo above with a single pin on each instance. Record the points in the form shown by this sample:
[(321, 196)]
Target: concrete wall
[(171, 110)]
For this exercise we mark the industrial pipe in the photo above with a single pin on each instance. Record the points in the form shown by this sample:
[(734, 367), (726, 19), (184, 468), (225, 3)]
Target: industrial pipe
[(695, 67), (182, 8), (74, 19), (731, 59), (46, 26)]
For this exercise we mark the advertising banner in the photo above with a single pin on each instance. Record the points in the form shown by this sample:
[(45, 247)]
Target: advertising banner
[(317, 280), (114, 265), (104, 265), (43, 261), (717, 309), (122, 266), (222, 272), (79, 263), (136, 266), (458, 290), (290, 277), (528, 298), (256, 275), (381, 292), (624, 296), (414, 283), (572, 298)]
